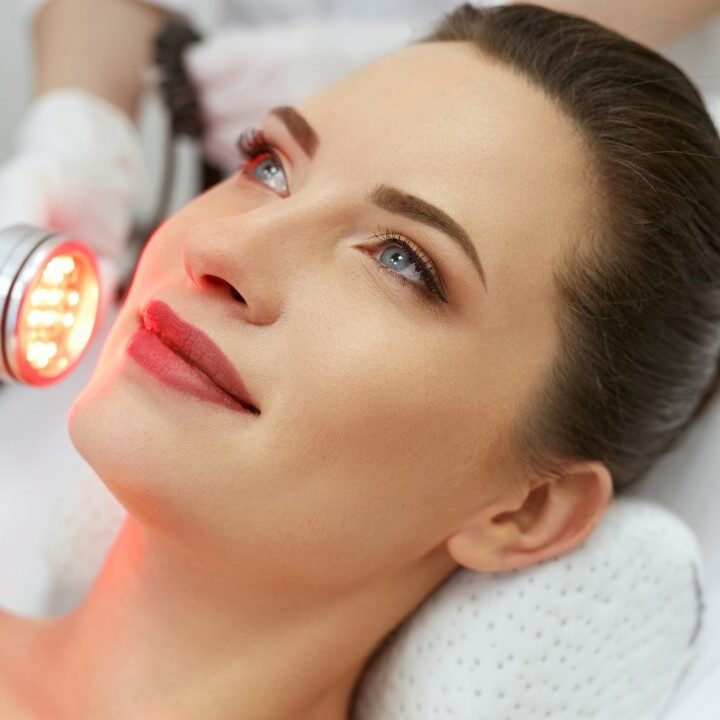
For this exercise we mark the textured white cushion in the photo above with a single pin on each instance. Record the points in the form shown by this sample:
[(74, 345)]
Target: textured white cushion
[(603, 632)]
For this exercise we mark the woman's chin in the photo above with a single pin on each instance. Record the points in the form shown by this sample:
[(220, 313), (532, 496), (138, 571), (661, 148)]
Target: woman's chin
[(134, 450), (115, 437)]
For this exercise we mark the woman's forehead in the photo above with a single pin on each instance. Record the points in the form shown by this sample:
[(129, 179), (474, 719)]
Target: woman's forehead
[(445, 111), (439, 90)]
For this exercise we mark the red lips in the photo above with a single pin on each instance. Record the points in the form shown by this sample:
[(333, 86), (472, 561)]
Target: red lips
[(197, 349)]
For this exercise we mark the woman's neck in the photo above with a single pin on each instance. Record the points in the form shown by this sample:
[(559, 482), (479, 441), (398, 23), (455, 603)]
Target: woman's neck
[(161, 635)]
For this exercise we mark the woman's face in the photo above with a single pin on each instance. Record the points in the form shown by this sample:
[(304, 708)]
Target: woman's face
[(383, 408)]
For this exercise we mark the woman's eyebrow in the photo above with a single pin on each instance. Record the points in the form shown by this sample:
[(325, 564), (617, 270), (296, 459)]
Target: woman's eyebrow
[(298, 127), (411, 206)]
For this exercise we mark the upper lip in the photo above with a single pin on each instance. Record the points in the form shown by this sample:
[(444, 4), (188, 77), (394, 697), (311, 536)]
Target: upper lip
[(197, 349)]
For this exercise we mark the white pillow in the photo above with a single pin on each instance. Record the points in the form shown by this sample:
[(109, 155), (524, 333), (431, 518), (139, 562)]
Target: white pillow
[(603, 632)]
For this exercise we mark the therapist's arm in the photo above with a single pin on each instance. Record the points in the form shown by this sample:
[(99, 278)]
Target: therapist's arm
[(650, 22), (97, 45)]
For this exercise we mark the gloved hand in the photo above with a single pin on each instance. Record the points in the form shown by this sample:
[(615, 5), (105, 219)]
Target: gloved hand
[(240, 73), (77, 167)]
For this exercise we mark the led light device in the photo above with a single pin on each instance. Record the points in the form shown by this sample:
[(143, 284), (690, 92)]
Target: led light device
[(49, 301)]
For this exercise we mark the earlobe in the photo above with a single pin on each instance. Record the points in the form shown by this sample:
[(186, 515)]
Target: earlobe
[(553, 517)]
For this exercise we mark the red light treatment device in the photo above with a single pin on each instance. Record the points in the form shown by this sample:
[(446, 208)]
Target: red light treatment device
[(49, 302)]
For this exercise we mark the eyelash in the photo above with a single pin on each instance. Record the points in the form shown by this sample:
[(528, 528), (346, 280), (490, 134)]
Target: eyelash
[(252, 143)]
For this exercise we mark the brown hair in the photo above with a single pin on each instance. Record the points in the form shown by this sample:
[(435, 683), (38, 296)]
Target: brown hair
[(638, 300)]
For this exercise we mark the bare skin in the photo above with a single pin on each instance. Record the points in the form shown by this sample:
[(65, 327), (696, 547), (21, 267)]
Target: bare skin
[(78, 43), (278, 551)]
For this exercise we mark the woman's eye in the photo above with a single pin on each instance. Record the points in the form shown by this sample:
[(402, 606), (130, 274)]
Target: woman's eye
[(267, 169), (260, 161), (409, 265)]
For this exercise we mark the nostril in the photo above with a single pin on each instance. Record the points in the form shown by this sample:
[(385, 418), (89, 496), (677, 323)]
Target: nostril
[(213, 280)]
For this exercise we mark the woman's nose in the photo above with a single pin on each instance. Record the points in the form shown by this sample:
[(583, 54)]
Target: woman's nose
[(236, 262), (258, 258)]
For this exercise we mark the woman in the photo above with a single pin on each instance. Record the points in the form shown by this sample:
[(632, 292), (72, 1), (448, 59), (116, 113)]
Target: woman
[(471, 292)]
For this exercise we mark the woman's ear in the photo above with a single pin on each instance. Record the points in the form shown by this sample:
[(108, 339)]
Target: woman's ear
[(550, 518)]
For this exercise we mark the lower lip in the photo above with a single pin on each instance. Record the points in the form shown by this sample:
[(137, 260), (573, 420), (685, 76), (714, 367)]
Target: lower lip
[(149, 352)]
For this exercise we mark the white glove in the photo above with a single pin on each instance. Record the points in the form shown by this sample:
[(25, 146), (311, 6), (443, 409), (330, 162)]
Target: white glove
[(78, 168), (241, 73)]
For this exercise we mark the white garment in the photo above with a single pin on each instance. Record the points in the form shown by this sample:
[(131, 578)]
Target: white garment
[(280, 11)]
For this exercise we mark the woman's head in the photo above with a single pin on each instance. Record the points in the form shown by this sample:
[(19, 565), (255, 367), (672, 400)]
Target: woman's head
[(400, 420)]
